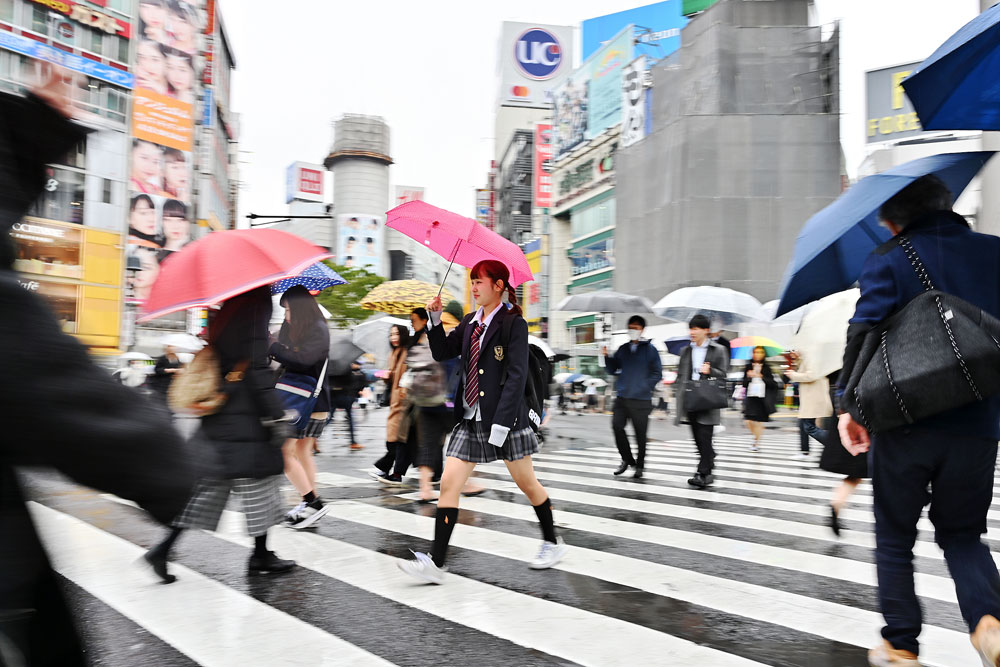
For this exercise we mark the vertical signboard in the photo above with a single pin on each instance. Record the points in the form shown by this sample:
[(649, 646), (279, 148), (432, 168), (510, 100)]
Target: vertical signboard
[(543, 166), (304, 182), (483, 197), (534, 60), (634, 103), (163, 116), (889, 114), (359, 241)]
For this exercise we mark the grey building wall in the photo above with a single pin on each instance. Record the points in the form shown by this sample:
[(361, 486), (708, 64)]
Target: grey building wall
[(745, 148)]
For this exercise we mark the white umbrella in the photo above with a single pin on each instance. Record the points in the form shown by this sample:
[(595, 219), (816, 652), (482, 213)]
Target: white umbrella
[(561, 377), (605, 301), (183, 342), (135, 356), (595, 382), (373, 335), (769, 309), (717, 303), (822, 335)]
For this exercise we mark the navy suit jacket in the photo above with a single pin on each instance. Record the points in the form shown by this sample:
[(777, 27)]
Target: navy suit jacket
[(499, 403), (959, 262)]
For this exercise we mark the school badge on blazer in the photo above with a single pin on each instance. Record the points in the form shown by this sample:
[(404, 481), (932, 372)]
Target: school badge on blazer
[(498, 352)]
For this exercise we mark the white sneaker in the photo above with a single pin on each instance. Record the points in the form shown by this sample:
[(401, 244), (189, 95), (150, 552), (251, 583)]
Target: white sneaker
[(719, 429), (422, 567), (549, 554), (802, 455), (754, 448), (308, 516), (292, 513)]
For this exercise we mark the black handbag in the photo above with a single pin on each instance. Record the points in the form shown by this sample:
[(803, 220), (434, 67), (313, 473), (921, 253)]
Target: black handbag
[(936, 354), (708, 393)]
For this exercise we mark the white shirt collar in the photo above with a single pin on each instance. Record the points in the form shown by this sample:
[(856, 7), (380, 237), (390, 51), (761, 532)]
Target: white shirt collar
[(479, 316), (708, 341)]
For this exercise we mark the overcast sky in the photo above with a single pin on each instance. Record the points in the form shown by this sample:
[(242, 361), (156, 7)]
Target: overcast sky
[(429, 68)]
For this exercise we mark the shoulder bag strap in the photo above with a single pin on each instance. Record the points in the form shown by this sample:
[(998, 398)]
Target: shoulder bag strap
[(918, 266), (321, 382)]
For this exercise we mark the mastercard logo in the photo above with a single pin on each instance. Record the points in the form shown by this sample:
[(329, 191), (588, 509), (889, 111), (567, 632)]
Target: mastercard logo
[(520, 91)]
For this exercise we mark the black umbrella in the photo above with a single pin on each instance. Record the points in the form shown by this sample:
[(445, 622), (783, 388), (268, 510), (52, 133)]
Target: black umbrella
[(343, 353)]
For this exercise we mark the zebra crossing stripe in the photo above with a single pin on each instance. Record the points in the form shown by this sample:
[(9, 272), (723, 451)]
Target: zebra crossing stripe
[(206, 620)]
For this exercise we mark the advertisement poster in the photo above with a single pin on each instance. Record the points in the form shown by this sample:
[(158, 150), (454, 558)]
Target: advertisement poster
[(534, 59), (543, 166), (163, 113), (359, 241), (570, 113), (633, 103)]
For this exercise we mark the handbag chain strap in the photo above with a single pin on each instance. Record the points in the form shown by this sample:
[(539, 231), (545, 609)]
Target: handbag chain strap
[(921, 271)]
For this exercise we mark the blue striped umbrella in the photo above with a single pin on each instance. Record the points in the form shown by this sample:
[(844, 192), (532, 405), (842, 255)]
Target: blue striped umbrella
[(316, 278)]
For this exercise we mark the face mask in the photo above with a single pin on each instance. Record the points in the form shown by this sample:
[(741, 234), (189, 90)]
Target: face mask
[(634, 334)]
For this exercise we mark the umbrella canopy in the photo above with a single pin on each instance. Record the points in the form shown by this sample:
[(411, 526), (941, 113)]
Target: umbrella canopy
[(559, 354), (769, 314), (400, 297), (718, 303), (457, 238), (677, 344), (182, 342), (560, 378), (343, 353), (606, 301), (135, 356), (223, 264), (957, 88), (834, 244), (742, 348), (822, 335), (315, 278), (595, 382), (372, 336), (573, 378)]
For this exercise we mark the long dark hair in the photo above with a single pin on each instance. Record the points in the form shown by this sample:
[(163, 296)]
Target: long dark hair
[(754, 354), (305, 313), (494, 271), (404, 336)]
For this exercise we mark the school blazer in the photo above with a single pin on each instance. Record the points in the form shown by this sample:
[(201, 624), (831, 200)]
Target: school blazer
[(500, 402)]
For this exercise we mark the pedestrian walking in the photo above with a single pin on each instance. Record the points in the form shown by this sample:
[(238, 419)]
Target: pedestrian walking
[(637, 370), (303, 347), (343, 393), (167, 366), (701, 360), (814, 401), (429, 395), (834, 458), (947, 459), (761, 389), (493, 421), (245, 435), (393, 465)]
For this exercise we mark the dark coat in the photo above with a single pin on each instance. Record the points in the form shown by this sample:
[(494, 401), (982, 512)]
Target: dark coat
[(241, 443), (637, 373), (501, 404), (61, 410), (718, 359), (770, 386), (959, 262), (160, 380), (305, 357)]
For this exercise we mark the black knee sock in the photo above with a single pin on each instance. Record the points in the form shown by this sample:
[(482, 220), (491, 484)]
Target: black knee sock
[(444, 523), (544, 513), (310, 497), (168, 543), (260, 545)]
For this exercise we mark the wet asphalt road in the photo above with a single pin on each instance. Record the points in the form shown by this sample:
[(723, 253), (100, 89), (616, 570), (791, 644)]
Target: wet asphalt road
[(658, 573)]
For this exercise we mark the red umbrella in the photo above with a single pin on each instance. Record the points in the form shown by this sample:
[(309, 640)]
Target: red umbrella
[(457, 238), (223, 264)]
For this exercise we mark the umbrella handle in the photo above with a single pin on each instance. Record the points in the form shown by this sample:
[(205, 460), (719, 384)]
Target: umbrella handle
[(454, 254)]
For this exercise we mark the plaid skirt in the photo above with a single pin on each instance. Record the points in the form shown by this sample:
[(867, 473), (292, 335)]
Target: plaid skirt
[(470, 442), (259, 499), (313, 429)]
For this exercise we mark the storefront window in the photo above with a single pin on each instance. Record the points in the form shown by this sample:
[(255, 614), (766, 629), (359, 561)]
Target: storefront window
[(593, 256), (588, 219), (62, 299), (63, 197), (47, 250)]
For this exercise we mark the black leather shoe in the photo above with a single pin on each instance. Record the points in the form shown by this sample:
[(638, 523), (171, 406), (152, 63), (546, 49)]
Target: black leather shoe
[(157, 559), (268, 563), (698, 481), (638, 473), (834, 521), (622, 468), (708, 479)]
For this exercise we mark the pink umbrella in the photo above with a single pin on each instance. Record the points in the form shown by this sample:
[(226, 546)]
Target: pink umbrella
[(457, 238)]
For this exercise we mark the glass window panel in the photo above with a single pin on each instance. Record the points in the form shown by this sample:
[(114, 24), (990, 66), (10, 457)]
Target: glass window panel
[(63, 197), (39, 20), (7, 10), (122, 49)]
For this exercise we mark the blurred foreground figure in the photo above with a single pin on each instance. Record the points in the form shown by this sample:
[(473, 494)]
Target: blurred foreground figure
[(947, 459), (98, 432)]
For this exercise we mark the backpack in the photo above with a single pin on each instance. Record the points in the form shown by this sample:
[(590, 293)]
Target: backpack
[(425, 381), (536, 388)]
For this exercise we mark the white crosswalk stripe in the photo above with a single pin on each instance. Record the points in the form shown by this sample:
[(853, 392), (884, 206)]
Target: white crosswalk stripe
[(755, 549)]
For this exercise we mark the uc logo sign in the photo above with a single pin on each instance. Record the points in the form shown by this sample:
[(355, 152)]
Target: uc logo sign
[(537, 53)]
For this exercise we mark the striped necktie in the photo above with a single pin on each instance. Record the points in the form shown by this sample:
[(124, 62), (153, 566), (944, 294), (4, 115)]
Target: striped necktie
[(472, 371)]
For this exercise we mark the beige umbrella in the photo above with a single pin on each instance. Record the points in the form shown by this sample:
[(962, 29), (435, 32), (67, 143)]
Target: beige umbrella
[(822, 336), (400, 297)]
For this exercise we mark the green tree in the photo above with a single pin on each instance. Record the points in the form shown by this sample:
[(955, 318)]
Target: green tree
[(344, 301)]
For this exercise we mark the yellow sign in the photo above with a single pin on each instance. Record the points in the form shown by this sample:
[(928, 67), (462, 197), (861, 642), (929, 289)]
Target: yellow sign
[(163, 120)]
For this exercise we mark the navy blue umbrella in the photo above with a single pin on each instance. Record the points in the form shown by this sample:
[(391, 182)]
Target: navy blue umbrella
[(958, 87), (315, 278), (834, 243), (676, 345)]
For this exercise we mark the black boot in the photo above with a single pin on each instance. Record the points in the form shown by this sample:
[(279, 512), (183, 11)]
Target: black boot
[(268, 563), (156, 557)]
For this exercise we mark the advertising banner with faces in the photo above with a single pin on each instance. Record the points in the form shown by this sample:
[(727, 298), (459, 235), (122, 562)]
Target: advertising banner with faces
[(359, 241), (161, 211)]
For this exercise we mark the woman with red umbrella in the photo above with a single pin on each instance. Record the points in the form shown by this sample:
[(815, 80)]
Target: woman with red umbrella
[(493, 421)]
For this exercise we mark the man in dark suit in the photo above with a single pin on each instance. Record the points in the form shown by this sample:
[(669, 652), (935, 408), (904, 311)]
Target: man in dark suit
[(953, 453)]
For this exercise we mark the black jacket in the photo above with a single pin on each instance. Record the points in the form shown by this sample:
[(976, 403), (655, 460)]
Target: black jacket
[(60, 410), (160, 380), (305, 357), (770, 385), (500, 403), (235, 434)]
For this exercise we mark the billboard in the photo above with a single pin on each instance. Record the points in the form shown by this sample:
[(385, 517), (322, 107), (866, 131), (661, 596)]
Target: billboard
[(359, 241), (304, 182), (483, 198), (543, 166), (591, 99), (657, 29), (533, 60), (161, 213), (34, 49), (888, 112), (405, 193), (635, 102)]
